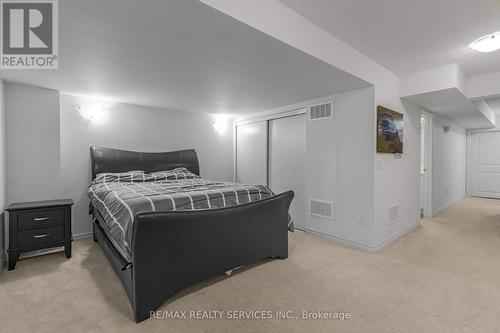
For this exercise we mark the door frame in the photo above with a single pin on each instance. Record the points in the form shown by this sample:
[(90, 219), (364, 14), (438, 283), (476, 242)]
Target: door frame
[(428, 212), (271, 116)]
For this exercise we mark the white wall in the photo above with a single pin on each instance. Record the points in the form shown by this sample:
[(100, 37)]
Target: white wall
[(2, 174), (32, 143), (483, 86), (339, 166), (449, 158), (48, 143), (395, 180), (435, 79)]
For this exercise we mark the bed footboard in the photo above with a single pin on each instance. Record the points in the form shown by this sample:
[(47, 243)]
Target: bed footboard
[(176, 249)]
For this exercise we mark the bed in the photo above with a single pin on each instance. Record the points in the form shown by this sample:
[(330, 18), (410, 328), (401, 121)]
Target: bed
[(161, 228)]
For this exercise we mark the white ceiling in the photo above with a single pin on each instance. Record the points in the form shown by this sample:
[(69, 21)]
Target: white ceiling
[(407, 36), (494, 104), (180, 55)]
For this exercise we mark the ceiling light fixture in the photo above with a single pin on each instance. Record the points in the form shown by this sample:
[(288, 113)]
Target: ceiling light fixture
[(488, 43)]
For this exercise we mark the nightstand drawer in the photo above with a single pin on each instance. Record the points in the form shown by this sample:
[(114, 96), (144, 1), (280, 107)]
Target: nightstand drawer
[(35, 237), (39, 225), (40, 218)]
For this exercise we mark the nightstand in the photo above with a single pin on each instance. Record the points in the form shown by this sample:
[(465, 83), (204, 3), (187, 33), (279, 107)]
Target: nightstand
[(39, 225)]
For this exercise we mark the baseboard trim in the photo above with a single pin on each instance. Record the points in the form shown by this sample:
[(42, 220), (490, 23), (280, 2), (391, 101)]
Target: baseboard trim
[(439, 210), (84, 235), (395, 237), (361, 246), (340, 240), (445, 207)]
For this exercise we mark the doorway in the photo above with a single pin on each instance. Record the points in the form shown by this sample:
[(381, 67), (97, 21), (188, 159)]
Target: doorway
[(425, 165)]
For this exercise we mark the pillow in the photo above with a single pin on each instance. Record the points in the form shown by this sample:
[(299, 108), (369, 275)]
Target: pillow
[(124, 177), (173, 174)]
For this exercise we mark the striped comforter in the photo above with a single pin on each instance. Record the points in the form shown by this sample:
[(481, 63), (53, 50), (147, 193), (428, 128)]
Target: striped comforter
[(118, 197)]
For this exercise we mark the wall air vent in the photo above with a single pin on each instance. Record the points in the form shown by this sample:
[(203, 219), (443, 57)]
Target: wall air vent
[(393, 214), (321, 111), (321, 208)]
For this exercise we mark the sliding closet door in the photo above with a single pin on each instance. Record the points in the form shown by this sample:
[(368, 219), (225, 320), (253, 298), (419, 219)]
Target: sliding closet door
[(251, 153), (287, 152)]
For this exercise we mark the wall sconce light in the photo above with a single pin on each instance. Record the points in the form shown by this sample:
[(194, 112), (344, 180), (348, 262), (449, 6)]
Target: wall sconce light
[(93, 113), (220, 124)]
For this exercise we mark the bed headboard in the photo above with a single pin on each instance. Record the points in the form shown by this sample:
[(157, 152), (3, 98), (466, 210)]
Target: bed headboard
[(116, 160)]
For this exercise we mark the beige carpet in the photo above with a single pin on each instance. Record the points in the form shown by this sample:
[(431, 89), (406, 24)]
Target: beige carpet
[(442, 277)]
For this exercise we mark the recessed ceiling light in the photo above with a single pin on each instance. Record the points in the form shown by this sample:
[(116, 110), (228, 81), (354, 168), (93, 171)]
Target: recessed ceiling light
[(488, 43)]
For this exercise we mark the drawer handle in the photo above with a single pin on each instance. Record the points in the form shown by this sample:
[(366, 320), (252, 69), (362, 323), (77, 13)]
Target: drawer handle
[(42, 235), (39, 219)]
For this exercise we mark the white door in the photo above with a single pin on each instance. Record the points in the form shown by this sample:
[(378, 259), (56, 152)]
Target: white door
[(287, 153), (251, 153), (484, 165)]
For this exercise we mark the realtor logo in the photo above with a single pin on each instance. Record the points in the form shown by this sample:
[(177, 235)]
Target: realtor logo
[(29, 36)]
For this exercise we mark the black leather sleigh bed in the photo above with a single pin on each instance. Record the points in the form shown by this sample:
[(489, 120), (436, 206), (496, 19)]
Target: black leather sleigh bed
[(170, 248)]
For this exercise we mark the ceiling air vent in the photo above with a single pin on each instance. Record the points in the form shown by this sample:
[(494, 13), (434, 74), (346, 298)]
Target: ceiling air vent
[(322, 208), (321, 111), (393, 214)]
